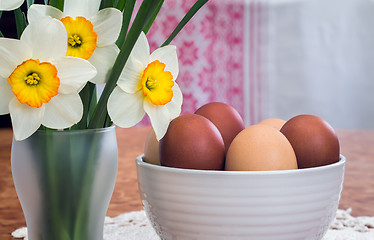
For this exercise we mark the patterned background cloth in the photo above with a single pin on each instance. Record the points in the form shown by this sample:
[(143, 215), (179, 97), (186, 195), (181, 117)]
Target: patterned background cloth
[(276, 58), (214, 50)]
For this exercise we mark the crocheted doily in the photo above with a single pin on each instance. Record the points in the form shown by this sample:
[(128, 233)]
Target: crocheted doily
[(135, 226)]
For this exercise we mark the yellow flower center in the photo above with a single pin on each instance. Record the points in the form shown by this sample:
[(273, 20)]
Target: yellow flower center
[(74, 41), (32, 79), (34, 83), (81, 37), (156, 83)]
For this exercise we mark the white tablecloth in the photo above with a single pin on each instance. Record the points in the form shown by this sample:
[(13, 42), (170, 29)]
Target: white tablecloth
[(135, 226)]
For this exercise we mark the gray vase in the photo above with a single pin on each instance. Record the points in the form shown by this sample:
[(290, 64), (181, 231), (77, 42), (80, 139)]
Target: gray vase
[(64, 181)]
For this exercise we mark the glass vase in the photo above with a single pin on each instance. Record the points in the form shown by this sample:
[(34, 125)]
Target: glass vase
[(64, 181)]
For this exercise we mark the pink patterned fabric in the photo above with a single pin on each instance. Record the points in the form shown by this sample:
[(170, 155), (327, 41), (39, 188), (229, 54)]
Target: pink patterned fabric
[(211, 50)]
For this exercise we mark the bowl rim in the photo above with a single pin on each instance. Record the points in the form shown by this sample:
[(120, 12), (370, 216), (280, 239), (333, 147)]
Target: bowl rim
[(141, 163)]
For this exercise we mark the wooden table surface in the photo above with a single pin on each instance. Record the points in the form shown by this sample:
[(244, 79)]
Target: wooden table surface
[(358, 192)]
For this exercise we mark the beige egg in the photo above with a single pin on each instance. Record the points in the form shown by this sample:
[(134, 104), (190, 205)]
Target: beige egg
[(273, 122), (151, 152), (260, 148)]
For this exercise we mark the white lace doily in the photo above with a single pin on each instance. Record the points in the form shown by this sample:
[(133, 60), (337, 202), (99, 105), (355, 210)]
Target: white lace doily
[(135, 226)]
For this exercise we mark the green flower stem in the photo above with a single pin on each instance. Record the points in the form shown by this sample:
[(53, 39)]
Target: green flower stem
[(29, 3), (93, 103), (1, 34), (127, 13), (57, 4), (80, 231), (146, 10), (153, 18), (21, 22), (120, 4), (56, 228), (88, 96), (185, 20), (67, 174), (106, 4), (108, 121)]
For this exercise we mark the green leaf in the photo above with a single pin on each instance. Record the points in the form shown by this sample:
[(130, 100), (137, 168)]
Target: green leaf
[(93, 104), (146, 10), (185, 20), (87, 97), (1, 34), (153, 18), (120, 4), (29, 3), (127, 13), (106, 4), (57, 4), (21, 22), (108, 121)]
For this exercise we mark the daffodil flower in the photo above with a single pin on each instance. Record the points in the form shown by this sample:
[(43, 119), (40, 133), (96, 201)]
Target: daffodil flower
[(91, 34), (39, 84), (147, 85), (7, 5)]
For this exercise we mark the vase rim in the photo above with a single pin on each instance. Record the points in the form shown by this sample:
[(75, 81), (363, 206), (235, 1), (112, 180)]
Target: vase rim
[(77, 131)]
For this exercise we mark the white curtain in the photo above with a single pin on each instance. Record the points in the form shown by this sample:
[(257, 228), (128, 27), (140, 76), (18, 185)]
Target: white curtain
[(320, 60)]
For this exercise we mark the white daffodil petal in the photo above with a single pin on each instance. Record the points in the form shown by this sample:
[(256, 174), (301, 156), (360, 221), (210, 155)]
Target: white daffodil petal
[(174, 106), (47, 38), (107, 24), (125, 110), (6, 95), (8, 5), (159, 116), (73, 73), (37, 11), (167, 55), (141, 50), (103, 59), (12, 53), (84, 8), (25, 119), (63, 111), (130, 75)]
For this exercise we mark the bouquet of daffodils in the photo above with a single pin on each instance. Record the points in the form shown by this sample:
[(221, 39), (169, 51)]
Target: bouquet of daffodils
[(48, 77)]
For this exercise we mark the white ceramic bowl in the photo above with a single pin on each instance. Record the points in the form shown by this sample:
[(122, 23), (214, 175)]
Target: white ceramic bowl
[(231, 205)]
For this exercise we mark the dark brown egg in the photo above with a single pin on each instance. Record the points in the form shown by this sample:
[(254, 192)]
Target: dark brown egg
[(192, 142), (225, 118), (313, 140)]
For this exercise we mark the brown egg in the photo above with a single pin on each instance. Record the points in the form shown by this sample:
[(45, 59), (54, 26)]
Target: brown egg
[(151, 153), (313, 140), (225, 118), (260, 148), (192, 142), (273, 122)]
